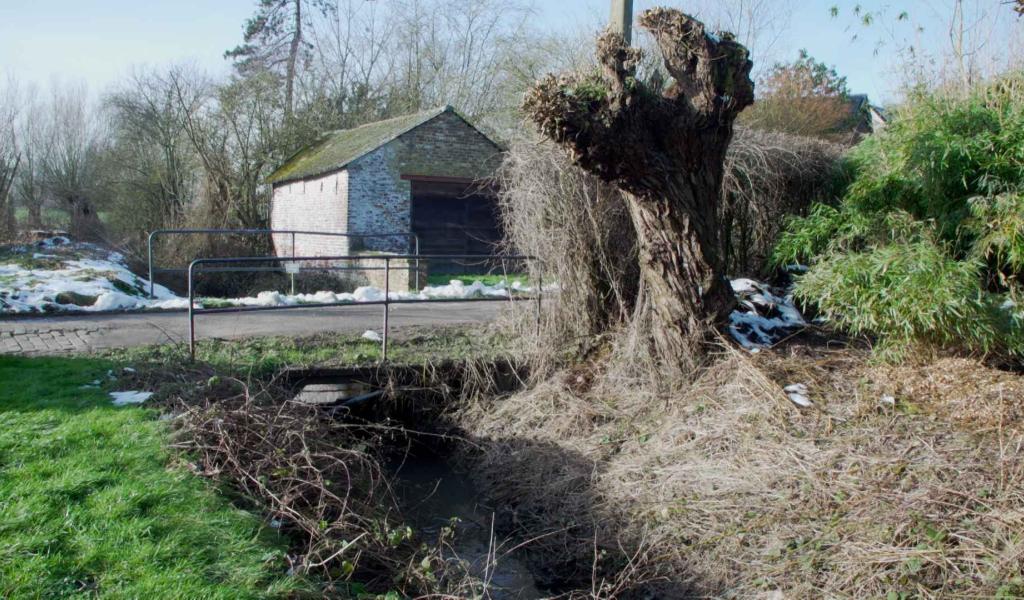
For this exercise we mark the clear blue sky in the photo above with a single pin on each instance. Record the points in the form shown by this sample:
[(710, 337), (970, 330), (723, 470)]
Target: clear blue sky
[(97, 41)]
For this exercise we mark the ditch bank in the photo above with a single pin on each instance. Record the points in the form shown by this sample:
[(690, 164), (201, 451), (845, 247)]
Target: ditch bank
[(372, 475)]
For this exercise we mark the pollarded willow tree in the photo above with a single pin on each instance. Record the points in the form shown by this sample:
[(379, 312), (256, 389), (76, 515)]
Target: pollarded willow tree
[(664, 147)]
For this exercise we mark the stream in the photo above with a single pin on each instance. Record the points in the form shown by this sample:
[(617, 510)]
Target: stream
[(431, 493)]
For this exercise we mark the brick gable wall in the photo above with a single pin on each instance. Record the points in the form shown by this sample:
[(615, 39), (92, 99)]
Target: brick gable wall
[(318, 204)]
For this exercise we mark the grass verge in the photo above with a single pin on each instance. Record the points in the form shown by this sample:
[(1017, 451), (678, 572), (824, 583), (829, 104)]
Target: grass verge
[(91, 503), (264, 356), (489, 280)]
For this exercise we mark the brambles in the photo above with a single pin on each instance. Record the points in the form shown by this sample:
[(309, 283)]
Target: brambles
[(321, 483)]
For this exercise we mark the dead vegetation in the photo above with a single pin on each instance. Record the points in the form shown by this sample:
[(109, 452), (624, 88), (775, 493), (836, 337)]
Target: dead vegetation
[(316, 476), (770, 176), (732, 491), (960, 390), (318, 481)]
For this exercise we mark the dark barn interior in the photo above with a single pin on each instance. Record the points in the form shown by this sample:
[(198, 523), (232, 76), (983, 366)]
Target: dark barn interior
[(456, 217)]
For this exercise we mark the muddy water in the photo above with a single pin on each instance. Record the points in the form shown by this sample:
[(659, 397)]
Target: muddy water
[(432, 494)]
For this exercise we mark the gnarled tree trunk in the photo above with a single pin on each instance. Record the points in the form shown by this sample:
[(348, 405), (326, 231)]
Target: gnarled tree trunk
[(665, 148), (85, 223)]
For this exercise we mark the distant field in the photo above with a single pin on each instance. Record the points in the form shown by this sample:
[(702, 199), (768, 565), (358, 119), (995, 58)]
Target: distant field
[(53, 218)]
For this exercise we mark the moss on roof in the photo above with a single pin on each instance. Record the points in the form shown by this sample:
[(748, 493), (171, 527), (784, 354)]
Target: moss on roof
[(337, 149)]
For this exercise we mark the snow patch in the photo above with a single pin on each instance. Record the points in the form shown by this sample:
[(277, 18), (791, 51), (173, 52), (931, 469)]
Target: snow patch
[(126, 398), (86, 273), (90, 279), (454, 290)]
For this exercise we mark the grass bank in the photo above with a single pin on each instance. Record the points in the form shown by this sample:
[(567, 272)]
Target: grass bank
[(489, 280), (266, 355), (93, 504)]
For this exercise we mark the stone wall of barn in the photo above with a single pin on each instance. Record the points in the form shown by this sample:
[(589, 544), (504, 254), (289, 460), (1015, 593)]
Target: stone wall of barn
[(319, 204), (379, 186), (379, 201)]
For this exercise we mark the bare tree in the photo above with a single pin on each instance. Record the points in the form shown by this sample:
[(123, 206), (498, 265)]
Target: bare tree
[(71, 168), (235, 131), (354, 49), (382, 59), (153, 159), (29, 187), (948, 44), (665, 148), (757, 24), (10, 155), (463, 51)]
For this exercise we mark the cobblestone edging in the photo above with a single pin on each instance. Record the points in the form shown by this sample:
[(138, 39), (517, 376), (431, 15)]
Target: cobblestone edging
[(46, 341)]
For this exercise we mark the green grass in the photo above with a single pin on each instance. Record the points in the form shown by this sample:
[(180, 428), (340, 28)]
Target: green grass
[(484, 279), (264, 356), (91, 504), (53, 218)]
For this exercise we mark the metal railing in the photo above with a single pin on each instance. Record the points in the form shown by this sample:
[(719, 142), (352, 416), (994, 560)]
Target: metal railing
[(409, 236), (197, 267)]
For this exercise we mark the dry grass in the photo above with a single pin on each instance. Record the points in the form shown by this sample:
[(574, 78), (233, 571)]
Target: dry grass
[(563, 216), (960, 390), (734, 492)]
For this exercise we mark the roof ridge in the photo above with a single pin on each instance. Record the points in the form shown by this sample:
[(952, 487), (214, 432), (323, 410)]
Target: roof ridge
[(432, 111)]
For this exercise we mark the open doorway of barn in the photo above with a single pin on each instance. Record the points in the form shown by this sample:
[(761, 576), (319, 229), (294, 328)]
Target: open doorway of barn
[(456, 216)]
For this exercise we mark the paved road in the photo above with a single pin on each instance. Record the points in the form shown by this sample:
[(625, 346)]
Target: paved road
[(86, 333)]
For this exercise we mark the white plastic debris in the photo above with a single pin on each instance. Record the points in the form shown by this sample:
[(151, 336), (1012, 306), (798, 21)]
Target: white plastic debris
[(799, 395), (133, 397), (763, 317), (372, 335), (887, 401)]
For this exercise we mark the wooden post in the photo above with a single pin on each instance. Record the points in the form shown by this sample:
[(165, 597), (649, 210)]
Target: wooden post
[(622, 19)]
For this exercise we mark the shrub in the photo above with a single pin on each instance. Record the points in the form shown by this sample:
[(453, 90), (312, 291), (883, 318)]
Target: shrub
[(913, 292), (926, 244)]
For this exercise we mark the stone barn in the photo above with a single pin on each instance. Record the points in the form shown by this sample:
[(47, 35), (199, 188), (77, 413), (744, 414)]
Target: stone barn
[(430, 173)]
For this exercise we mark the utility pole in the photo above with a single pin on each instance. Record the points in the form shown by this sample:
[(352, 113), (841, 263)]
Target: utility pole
[(622, 19)]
